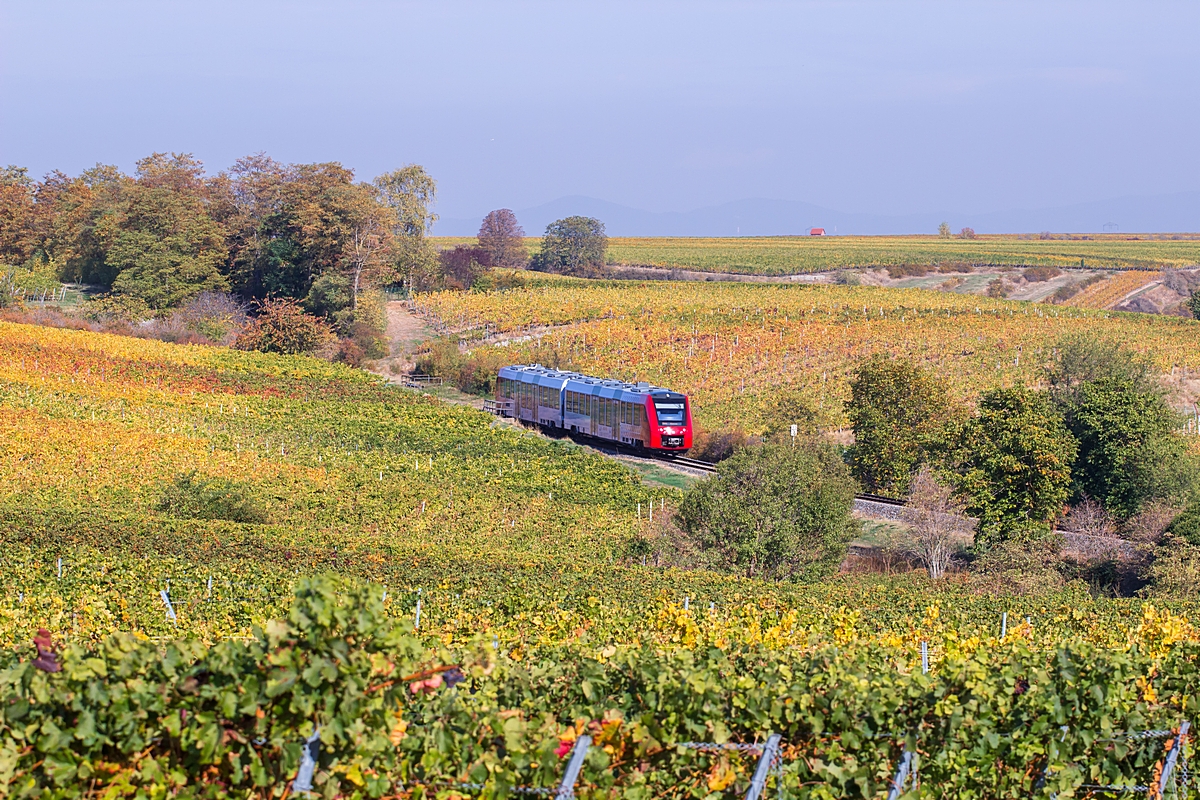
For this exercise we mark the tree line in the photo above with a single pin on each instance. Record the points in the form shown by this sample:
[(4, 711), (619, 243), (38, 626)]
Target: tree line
[(260, 229), (295, 241)]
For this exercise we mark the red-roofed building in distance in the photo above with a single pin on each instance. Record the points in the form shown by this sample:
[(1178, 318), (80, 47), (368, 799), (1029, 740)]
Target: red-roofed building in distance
[(816, 231)]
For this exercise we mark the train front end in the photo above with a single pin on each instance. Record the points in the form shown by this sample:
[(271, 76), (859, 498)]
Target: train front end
[(669, 415)]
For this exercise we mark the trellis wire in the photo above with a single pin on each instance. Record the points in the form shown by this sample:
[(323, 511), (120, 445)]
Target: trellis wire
[(770, 758)]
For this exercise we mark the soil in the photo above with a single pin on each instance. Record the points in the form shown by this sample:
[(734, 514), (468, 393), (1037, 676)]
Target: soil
[(405, 332)]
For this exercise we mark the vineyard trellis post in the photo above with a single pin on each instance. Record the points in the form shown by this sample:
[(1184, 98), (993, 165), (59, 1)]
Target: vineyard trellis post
[(166, 598), (768, 759), (906, 764), (1172, 758), (308, 762), (566, 789)]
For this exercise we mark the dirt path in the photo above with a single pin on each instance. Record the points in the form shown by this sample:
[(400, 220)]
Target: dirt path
[(405, 332)]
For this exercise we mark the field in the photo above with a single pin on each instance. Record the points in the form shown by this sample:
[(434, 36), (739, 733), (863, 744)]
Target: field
[(789, 255), (756, 355), (515, 550)]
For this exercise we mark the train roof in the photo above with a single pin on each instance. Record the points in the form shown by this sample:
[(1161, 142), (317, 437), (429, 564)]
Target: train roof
[(578, 382)]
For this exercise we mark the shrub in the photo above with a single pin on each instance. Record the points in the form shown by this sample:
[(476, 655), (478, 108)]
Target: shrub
[(283, 327), (192, 496), (897, 271), (1039, 274), (966, 233), (349, 352), (1186, 526), (774, 511), (463, 266), (110, 307), (1026, 567), (999, 288), (714, 446), (1069, 290), (473, 372)]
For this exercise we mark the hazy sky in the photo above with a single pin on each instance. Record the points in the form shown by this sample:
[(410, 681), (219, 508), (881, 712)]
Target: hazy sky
[(884, 107)]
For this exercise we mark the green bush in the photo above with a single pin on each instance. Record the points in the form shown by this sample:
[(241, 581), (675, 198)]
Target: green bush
[(192, 496), (775, 511), (1186, 526)]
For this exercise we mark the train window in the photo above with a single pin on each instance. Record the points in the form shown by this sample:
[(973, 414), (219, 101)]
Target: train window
[(670, 411)]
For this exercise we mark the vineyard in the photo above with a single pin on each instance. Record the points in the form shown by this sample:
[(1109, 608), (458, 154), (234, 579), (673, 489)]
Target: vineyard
[(789, 255), (756, 355), (479, 613), (1108, 293)]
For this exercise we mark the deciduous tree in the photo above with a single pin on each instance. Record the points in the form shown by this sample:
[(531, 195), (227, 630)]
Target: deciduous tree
[(937, 521), (1129, 450), (901, 416), (503, 238), (16, 214), (1014, 463), (410, 192), (572, 246), (161, 243)]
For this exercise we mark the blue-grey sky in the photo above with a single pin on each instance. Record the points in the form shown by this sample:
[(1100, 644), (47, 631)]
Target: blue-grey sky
[(877, 107)]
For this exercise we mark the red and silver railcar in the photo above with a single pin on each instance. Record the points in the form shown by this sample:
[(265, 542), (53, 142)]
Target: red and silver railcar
[(635, 414)]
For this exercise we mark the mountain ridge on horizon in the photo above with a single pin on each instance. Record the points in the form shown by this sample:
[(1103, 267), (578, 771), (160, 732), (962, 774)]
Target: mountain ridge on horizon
[(1169, 213)]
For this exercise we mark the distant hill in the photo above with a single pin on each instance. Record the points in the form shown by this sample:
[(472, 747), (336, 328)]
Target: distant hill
[(764, 217)]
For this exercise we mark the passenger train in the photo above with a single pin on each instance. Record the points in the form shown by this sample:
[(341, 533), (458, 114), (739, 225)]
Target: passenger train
[(636, 414)]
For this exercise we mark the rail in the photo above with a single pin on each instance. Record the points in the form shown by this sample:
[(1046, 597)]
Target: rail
[(709, 467)]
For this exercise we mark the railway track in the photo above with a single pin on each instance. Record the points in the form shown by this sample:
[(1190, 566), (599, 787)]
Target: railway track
[(690, 463), (709, 468)]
